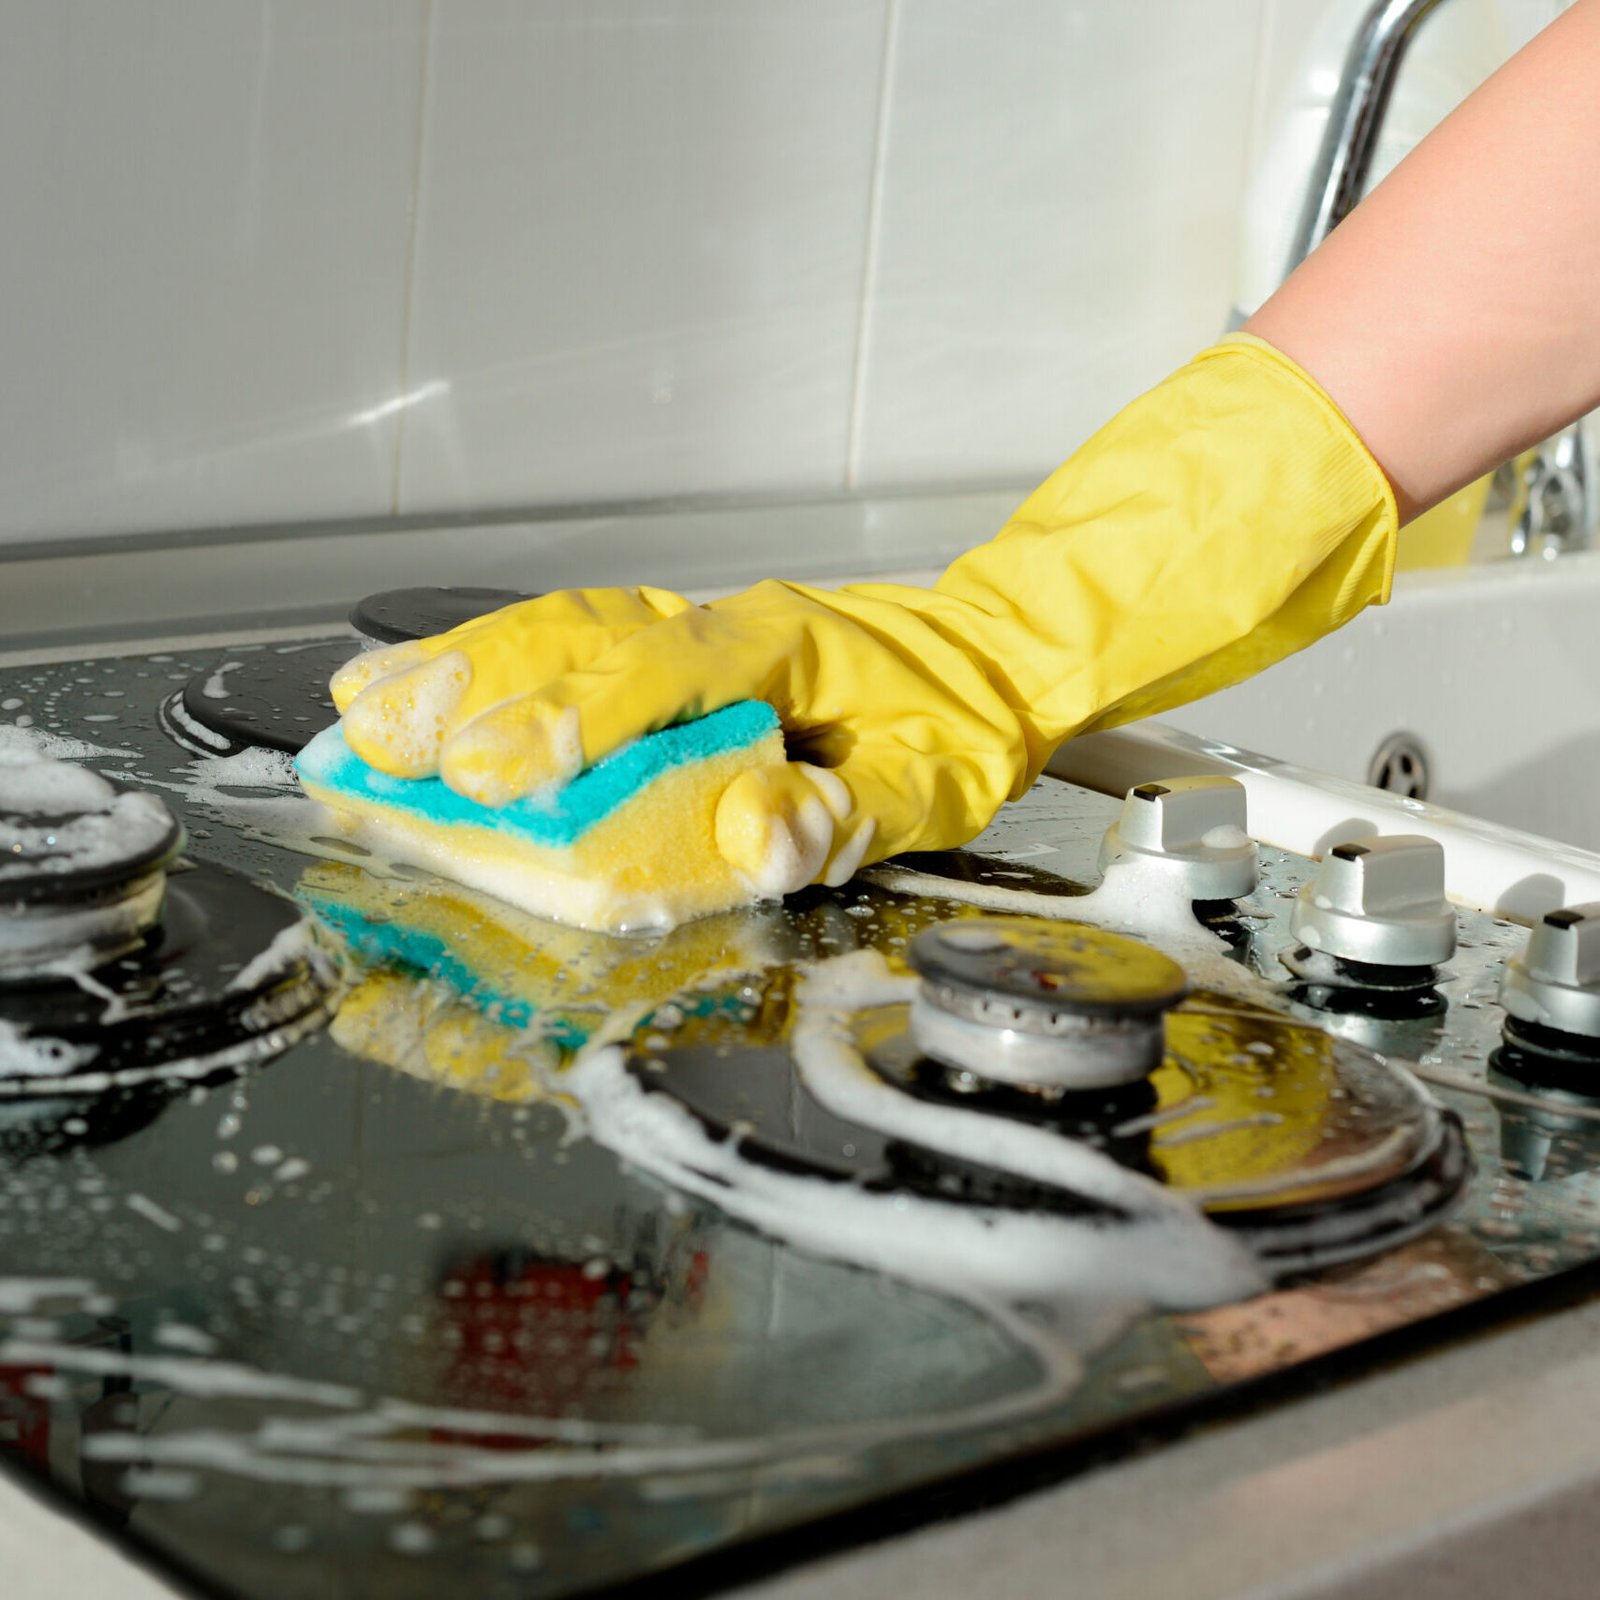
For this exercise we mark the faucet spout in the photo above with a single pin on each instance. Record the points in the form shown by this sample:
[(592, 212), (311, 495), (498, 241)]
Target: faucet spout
[(1355, 119)]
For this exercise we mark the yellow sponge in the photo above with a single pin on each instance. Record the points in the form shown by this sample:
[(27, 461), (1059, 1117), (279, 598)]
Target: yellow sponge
[(628, 845)]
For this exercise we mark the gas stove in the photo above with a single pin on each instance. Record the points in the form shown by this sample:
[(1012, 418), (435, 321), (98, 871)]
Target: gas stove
[(361, 1233)]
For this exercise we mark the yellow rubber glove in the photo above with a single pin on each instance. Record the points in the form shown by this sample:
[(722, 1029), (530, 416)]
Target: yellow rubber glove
[(1225, 519), (431, 687)]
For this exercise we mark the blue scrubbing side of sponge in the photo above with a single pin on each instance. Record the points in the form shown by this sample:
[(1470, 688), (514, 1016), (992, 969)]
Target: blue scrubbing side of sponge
[(555, 821)]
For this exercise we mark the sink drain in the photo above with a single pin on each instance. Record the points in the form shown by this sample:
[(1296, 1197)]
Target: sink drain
[(1400, 765)]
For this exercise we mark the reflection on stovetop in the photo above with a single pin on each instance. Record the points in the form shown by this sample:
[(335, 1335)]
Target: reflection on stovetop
[(375, 1307)]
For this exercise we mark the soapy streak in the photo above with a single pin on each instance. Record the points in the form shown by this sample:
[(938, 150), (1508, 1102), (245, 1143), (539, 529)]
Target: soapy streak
[(1444, 1078), (1388, 1150), (278, 1038), (1157, 1119), (187, 725), (215, 687), (145, 1207), (291, 946), (1212, 1130), (1141, 901), (22, 1295), (426, 1467), (357, 1450), (208, 1379), (1165, 1253), (840, 1079)]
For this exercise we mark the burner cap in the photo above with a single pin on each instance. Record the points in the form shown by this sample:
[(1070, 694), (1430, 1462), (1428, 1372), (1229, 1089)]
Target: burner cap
[(1044, 1004), (230, 973), (82, 863), (396, 615), (273, 697)]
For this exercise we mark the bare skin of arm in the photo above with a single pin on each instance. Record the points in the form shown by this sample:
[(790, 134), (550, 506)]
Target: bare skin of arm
[(1454, 316)]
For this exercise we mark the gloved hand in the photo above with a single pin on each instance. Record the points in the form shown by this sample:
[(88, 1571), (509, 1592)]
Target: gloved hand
[(1222, 521), (400, 729)]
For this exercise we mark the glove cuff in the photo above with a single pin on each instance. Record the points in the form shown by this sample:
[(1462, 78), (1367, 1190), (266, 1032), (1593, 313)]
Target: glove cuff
[(1227, 518), (1352, 473)]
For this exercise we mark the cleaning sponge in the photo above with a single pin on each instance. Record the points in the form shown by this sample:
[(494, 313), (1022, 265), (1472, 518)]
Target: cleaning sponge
[(629, 844)]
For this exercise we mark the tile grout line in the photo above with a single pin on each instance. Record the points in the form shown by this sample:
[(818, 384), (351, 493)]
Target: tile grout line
[(869, 265), (413, 228)]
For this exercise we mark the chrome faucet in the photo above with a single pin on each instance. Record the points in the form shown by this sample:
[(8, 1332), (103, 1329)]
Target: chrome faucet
[(1556, 503), (1355, 119)]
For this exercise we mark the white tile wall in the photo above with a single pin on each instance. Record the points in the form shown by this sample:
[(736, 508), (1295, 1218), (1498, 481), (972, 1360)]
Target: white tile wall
[(640, 248), (206, 207), (1058, 223), (279, 260)]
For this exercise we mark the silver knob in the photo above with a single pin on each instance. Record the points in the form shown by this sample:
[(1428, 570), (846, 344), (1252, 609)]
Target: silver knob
[(1191, 828), (1379, 901), (1555, 982)]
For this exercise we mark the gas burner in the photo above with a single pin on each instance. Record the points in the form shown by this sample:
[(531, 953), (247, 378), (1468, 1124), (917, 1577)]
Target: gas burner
[(272, 697), (1041, 1005), (1310, 1149), (275, 697), (396, 615), (230, 974), (82, 864)]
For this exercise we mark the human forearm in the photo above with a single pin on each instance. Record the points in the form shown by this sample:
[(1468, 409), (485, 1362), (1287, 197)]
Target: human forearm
[(1455, 314)]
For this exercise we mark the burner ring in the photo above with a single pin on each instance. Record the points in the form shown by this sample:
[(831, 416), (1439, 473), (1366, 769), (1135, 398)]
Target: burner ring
[(230, 975), (1079, 1053), (1042, 1004)]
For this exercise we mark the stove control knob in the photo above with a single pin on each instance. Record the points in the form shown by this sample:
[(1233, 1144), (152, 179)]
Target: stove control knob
[(1555, 982), (1379, 902), (1191, 828)]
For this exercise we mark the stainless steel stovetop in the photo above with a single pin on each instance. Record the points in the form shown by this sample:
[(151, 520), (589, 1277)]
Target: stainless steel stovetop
[(370, 1312)]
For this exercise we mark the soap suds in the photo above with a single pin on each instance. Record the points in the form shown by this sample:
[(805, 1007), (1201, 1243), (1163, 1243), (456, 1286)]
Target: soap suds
[(1132, 898), (189, 729), (373, 1443), (215, 687), (24, 1055), (295, 946), (1226, 836), (19, 743), (147, 1208), (1161, 1251), (21, 1296), (62, 820)]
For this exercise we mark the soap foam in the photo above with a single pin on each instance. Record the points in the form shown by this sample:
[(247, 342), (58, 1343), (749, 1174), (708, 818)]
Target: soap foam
[(24, 1055), (60, 819), (25, 743), (1160, 1250)]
